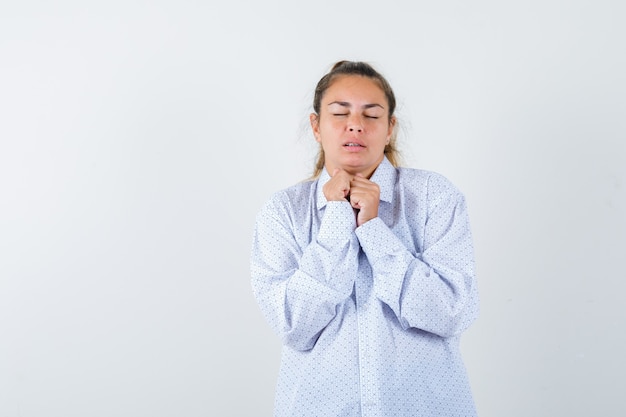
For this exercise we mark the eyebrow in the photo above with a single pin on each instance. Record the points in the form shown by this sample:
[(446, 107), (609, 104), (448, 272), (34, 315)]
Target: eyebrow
[(346, 104)]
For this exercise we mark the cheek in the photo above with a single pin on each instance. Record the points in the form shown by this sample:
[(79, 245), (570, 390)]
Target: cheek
[(380, 129), (331, 128)]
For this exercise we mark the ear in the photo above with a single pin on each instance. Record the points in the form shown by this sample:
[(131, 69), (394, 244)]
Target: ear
[(314, 119), (392, 126)]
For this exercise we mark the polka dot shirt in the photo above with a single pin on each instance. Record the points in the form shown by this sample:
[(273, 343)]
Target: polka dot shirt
[(370, 317)]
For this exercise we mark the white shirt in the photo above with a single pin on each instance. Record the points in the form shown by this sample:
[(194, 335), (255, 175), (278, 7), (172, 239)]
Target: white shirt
[(370, 317)]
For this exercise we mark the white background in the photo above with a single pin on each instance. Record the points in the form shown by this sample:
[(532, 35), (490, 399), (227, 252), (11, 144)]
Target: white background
[(138, 139)]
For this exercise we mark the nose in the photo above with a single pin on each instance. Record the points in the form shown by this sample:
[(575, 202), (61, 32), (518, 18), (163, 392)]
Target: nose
[(354, 125)]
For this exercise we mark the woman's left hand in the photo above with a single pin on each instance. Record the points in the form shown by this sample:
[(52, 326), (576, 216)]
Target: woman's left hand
[(365, 197)]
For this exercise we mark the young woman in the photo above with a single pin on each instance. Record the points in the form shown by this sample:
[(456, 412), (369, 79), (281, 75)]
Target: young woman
[(366, 271)]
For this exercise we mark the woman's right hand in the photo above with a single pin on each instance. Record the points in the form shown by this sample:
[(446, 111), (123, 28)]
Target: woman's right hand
[(338, 187)]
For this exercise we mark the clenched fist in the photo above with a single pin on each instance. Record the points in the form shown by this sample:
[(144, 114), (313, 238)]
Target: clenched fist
[(363, 194)]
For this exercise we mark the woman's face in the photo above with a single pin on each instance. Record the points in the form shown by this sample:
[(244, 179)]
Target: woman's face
[(353, 125)]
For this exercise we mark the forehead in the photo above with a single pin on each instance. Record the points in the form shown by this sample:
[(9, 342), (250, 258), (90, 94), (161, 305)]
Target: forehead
[(355, 88)]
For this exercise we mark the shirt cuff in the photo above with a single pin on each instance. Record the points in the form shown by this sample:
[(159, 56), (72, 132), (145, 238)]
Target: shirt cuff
[(337, 225), (372, 234)]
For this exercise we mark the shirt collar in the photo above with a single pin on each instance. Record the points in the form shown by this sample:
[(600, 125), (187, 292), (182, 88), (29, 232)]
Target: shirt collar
[(384, 175)]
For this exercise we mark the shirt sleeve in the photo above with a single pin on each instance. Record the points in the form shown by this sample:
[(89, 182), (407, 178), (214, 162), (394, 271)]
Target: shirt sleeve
[(436, 290), (299, 288)]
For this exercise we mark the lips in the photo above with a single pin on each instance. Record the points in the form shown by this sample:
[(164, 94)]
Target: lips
[(353, 145)]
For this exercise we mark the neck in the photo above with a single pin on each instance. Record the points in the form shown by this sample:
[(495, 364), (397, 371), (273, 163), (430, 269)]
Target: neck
[(366, 173)]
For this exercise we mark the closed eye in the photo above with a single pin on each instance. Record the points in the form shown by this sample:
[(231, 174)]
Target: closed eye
[(340, 114)]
